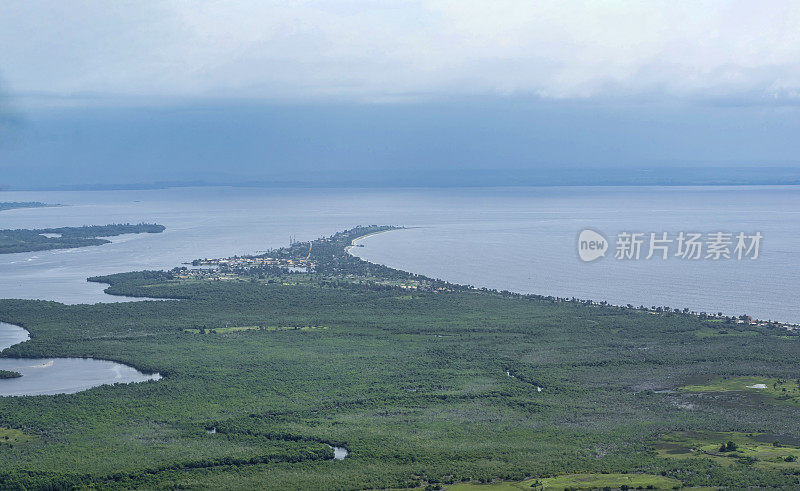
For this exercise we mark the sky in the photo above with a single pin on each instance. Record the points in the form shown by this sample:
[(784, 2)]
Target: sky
[(120, 92)]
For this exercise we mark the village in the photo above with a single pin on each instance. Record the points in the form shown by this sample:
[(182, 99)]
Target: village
[(255, 262)]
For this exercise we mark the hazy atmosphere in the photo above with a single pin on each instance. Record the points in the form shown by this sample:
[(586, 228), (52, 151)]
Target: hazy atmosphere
[(406, 93)]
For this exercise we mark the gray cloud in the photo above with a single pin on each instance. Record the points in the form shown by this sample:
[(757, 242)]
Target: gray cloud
[(10, 119), (398, 50)]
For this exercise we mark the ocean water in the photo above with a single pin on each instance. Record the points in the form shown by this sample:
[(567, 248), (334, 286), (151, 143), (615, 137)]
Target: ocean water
[(519, 239)]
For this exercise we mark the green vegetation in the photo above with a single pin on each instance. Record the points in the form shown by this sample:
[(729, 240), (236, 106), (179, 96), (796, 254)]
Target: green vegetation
[(9, 374), (717, 331), (228, 330), (433, 391), (622, 481), (762, 450), (577, 482), (780, 389), (10, 205), (19, 240), (11, 437)]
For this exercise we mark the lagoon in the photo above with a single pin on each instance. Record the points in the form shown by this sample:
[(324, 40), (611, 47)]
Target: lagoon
[(45, 376)]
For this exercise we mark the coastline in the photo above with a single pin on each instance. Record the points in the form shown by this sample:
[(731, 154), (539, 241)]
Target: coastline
[(762, 289), (741, 319), (353, 243)]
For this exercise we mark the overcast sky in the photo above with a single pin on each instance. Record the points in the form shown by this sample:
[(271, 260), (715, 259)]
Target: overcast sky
[(136, 91), (747, 51)]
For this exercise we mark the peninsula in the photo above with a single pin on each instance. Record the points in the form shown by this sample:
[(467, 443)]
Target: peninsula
[(21, 240)]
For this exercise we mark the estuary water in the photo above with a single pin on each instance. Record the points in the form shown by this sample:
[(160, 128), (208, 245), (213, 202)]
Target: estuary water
[(42, 376), (518, 239)]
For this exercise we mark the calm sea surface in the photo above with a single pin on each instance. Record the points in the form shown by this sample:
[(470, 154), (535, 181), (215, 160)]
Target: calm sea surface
[(519, 239)]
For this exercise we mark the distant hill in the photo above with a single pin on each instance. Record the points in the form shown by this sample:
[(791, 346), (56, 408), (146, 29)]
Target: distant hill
[(500, 177)]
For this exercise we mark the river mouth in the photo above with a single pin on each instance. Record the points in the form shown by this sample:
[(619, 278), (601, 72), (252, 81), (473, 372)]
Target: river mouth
[(48, 376)]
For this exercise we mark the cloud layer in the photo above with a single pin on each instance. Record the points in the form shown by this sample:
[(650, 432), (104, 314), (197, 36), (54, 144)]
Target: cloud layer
[(739, 51)]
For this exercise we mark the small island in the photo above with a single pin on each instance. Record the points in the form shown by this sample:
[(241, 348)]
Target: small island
[(11, 205), (9, 374), (21, 240)]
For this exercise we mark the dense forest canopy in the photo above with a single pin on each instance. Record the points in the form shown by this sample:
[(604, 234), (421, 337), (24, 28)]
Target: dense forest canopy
[(424, 382)]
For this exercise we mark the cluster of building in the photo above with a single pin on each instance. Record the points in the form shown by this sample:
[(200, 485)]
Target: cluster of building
[(746, 319), (206, 274), (254, 262)]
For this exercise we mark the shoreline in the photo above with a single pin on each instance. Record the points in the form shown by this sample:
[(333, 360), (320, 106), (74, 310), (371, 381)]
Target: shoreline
[(739, 320), (353, 242)]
